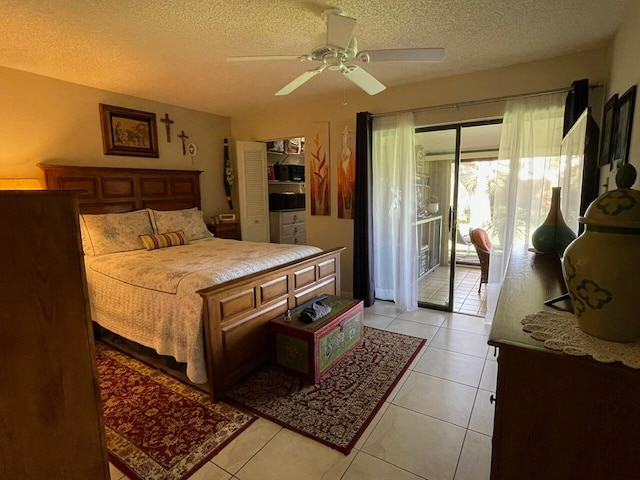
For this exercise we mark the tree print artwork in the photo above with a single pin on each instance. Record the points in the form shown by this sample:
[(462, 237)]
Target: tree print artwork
[(319, 167), (346, 171)]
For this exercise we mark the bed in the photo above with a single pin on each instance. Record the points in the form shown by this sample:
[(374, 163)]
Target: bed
[(233, 304)]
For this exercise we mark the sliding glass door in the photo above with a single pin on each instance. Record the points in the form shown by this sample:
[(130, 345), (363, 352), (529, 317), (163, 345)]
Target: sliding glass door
[(455, 179), (437, 151)]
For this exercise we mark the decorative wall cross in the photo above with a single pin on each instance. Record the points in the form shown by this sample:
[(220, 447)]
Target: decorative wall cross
[(167, 123), (183, 137)]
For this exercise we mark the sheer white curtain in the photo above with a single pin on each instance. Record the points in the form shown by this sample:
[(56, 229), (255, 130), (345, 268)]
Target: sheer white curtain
[(394, 210), (529, 167)]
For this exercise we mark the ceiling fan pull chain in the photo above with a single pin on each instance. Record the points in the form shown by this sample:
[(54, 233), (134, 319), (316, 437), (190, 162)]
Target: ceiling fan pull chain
[(344, 92)]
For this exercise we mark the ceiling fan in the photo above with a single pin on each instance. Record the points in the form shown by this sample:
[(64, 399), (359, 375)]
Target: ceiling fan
[(340, 49)]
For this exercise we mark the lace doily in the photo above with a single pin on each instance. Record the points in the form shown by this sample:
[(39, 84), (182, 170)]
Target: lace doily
[(560, 331)]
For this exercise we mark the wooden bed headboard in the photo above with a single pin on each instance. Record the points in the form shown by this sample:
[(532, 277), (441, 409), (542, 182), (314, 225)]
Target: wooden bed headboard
[(114, 190)]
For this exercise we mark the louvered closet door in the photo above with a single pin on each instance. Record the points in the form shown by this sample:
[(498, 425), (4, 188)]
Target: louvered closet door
[(252, 189)]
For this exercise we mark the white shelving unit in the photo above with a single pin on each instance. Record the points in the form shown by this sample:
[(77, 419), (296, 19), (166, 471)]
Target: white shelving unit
[(287, 225), (429, 233)]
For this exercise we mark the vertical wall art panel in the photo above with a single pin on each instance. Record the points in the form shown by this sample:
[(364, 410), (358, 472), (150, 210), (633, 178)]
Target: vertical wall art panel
[(346, 169), (317, 151)]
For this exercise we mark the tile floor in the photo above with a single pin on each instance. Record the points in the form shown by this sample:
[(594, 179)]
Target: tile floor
[(434, 288), (436, 424)]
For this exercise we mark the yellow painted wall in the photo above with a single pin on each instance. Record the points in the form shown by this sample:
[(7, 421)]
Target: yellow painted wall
[(50, 121), (290, 117), (625, 72)]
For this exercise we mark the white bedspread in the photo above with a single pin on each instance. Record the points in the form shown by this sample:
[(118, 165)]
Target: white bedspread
[(149, 296)]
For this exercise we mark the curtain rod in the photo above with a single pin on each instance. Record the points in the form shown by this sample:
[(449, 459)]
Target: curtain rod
[(470, 103)]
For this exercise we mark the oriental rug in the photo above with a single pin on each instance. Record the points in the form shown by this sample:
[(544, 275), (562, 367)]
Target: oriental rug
[(158, 427), (337, 410)]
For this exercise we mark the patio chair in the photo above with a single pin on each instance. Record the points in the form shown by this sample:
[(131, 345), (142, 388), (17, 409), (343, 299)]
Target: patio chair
[(482, 244), (464, 239)]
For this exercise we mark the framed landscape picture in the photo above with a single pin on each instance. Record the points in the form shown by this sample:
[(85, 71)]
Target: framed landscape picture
[(128, 132)]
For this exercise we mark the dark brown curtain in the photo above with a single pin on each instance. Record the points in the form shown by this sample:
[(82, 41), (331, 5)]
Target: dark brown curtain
[(363, 282), (577, 100)]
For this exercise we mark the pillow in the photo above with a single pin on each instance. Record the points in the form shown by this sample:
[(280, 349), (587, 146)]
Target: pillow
[(114, 232), (87, 247), (163, 240), (190, 221)]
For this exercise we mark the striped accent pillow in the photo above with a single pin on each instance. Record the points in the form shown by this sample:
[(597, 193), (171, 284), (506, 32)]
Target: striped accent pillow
[(162, 240)]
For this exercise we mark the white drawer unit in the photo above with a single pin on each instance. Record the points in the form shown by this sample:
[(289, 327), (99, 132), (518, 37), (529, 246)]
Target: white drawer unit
[(288, 226)]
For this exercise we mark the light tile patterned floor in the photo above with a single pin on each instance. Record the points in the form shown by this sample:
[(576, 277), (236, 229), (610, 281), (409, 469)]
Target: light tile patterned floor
[(434, 288), (435, 425)]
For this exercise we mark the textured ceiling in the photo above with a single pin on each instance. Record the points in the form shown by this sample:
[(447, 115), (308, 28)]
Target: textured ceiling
[(175, 52)]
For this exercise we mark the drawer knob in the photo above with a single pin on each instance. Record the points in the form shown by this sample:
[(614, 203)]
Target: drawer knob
[(295, 217), (492, 399), (295, 240), (295, 229)]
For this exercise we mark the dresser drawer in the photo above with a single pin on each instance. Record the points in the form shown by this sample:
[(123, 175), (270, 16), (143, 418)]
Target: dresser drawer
[(288, 227), (297, 216), (295, 239), (294, 229)]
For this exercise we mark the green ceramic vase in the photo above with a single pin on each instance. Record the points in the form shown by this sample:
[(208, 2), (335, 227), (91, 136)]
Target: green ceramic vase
[(553, 235)]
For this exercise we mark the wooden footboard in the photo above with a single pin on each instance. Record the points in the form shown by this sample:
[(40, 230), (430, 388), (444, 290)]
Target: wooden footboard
[(236, 313)]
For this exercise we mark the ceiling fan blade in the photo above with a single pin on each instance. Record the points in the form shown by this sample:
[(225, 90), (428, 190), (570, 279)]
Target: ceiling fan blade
[(363, 79), (265, 57), (298, 81), (339, 30), (403, 55)]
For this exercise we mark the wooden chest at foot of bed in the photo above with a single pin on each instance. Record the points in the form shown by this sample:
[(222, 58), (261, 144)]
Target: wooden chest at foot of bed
[(309, 349)]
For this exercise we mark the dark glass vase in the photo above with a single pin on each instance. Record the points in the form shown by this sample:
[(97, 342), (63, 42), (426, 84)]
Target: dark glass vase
[(553, 235)]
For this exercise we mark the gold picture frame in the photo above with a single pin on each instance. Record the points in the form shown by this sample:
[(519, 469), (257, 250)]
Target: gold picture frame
[(128, 132)]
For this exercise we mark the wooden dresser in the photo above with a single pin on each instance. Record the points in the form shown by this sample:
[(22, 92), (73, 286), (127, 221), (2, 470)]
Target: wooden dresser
[(557, 416), (50, 408), (288, 226)]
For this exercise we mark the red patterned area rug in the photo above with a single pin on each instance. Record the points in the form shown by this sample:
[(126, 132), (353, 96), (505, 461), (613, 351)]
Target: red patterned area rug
[(337, 410), (156, 426)]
